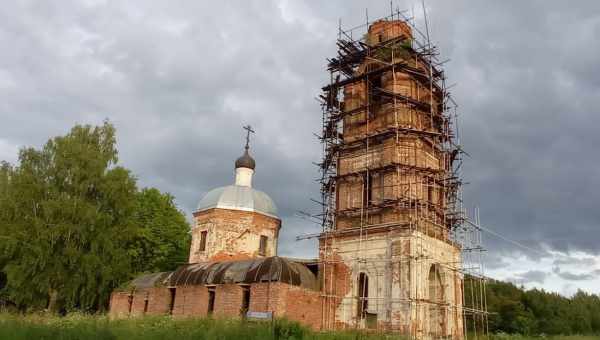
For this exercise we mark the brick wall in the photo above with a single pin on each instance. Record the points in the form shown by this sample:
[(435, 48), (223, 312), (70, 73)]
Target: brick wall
[(263, 297), (191, 301), (159, 301), (302, 305), (232, 235), (139, 302), (228, 300), (119, 304), (291, 302)]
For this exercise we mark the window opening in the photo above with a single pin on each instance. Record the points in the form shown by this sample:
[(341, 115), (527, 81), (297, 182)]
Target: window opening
[(211, 301), (262, 248), (363, 295), (172, 300), (245, 301), (203, 235)]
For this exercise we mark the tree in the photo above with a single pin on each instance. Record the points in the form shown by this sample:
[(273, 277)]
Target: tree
[(5, 170), (66, 221), (162, 240)]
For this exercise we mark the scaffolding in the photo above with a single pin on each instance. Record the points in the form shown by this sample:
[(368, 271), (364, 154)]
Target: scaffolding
[(397, 250)]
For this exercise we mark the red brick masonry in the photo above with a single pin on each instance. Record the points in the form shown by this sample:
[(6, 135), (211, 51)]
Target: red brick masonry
[(284, 300)]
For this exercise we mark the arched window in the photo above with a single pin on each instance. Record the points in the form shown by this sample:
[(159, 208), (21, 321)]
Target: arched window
[(363, 295), (436, 315)]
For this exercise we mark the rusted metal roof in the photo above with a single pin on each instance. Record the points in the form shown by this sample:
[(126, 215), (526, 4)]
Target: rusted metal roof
[(269, 269), (148, 281)]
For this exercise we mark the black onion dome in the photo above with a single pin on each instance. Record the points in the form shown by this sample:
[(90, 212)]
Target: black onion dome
[(245, 161)]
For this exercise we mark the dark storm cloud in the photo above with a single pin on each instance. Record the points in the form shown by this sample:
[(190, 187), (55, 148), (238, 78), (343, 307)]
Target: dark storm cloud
[(180, 79)]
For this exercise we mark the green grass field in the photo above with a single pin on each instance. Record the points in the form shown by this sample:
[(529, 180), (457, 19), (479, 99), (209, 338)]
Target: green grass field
[(77, 326), (558, 337)]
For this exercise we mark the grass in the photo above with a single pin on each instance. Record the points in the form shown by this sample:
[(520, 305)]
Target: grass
[(549, 337), (79, 326)]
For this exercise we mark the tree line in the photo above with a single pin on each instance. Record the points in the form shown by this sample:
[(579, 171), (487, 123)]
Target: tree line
[(513, 310), (74, 224)]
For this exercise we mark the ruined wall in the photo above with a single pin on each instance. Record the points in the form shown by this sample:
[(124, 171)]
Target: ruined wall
[(292, 302), (394, 188), (228, 300), (191, 301), (119, 304), (284, 300), (232, 235), (405, 151), (383, 30), (397, 264), (151, 301)]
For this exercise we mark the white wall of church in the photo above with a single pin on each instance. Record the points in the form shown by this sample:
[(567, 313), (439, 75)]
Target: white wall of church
[(398, 267)]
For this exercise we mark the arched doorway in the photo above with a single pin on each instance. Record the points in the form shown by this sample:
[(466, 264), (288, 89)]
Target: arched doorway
[(436, 310)]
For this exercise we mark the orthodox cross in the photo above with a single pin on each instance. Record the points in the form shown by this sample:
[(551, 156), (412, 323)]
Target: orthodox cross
[(249, 130)]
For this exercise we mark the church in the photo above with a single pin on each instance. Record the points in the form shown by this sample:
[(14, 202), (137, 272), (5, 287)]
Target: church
[(390, 253), (233, 264)]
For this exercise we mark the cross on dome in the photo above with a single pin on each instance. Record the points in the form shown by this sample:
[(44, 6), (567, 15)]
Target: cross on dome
[(246, 161), (249, 130)]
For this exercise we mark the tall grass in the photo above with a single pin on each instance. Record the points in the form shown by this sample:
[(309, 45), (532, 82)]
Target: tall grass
[(150, 328), (79, 326), (541, 337)]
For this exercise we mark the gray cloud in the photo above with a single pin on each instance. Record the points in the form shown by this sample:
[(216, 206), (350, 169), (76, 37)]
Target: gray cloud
[(579, 277), (180, 80), (532, 276), (569, 276), (586, 261)]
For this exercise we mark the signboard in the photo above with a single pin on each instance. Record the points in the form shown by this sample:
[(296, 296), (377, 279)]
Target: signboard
[(259, 315)]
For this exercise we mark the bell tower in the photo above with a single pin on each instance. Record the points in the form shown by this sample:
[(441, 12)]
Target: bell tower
[(389, 189)]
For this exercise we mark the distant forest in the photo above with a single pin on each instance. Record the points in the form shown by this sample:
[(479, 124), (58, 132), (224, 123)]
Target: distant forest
[(536, 312)]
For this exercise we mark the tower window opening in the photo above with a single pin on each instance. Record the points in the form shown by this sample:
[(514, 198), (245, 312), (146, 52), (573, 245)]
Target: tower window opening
[(368, 190), (363, 295), (211, 300), (430, 184), (203, 235), (262, 247)]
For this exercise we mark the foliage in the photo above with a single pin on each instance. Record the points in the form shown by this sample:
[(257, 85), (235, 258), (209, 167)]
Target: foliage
[(162, 241), (514, 310), (79, 326), (73, 224), (66, 220), (399, 50)]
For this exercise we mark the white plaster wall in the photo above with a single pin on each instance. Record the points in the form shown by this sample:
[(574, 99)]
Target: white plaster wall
[(398, 268)]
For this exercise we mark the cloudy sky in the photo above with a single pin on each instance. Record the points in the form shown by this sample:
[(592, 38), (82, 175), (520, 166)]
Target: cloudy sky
[(179, 79)]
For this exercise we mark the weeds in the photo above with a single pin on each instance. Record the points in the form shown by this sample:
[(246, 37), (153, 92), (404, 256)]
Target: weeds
[(90, 327)]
